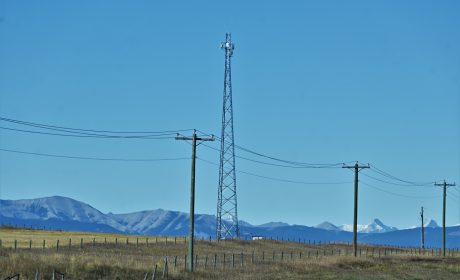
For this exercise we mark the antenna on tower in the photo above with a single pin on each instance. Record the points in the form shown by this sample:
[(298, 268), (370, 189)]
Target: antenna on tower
[(227, 214)]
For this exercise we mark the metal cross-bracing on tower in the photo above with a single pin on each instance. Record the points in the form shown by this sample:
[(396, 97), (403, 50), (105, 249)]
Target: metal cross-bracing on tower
[(227, 218)]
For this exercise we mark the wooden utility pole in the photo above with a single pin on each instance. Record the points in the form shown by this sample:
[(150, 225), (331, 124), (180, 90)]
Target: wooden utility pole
[(357, 168), (444, 185), (423, 229), (191, 232)]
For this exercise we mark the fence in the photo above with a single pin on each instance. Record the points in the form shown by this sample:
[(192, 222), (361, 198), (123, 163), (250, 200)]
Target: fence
[(81, 243), (225, 261)]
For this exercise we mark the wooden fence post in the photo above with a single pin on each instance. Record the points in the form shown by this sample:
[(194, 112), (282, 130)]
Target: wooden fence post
[(44, 242), (165, 268), (81, 243), (30, 244), (57, 245), (154, 272), (15, 244)]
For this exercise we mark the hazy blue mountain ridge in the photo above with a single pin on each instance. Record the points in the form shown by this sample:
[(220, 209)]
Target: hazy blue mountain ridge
[(68, 214)]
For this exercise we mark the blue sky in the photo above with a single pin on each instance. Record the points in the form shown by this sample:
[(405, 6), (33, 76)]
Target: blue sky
[(313, 81)]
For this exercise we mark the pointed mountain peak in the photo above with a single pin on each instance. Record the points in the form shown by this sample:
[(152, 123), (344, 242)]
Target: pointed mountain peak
[(431, 224), (327, 226)]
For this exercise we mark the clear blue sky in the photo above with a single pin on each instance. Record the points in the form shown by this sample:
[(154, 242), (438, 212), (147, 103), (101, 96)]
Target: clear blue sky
[(313, 81)]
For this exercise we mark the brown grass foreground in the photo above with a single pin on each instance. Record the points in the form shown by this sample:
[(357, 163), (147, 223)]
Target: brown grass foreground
[(260, 260)]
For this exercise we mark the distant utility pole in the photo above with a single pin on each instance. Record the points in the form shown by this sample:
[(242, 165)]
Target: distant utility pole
[(423, 230), (191, 232), (444, 185), (357, 168)]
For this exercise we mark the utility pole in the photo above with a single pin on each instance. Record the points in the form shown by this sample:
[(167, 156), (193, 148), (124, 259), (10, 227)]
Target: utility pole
[(444, 185), (423, 229), (191, 228), (357, 168)]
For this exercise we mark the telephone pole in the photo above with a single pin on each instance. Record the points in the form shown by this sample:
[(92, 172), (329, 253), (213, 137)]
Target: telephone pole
[(444, 185), (357, 168), (191, 229), (423, 229)]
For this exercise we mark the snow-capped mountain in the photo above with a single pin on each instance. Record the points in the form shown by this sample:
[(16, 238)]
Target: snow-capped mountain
[(375, 227)]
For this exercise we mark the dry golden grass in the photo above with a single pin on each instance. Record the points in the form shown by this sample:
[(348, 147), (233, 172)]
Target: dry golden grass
[(292, 260)]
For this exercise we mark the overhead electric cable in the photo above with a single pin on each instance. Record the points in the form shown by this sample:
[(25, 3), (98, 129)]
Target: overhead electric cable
[(279, 179), (271, 164), (397, 194), (392, 183), (91, 130), (93, 158), (388, 175), (304, 164), (89, 136)]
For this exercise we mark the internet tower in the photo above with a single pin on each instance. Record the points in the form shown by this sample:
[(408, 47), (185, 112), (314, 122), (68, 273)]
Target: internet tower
[(227, 218)]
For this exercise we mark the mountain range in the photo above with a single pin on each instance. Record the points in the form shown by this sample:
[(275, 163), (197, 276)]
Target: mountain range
[(64, 213)]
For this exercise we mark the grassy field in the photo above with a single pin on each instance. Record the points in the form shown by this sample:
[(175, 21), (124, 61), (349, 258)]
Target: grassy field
[(260, 259)]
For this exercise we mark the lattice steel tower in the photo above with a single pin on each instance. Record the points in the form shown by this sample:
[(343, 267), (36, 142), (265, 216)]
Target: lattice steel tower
[(227, 218)]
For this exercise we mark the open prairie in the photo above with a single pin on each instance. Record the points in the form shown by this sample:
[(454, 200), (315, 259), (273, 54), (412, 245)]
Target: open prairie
[(100, 257)]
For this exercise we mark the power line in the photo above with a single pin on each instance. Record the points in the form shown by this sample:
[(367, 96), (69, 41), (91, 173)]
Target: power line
[(93, 158), (90, 136), (304, 164), (268, 163), (279, 179), (398, 194), (91, 130), (388, 175), (391, 183)]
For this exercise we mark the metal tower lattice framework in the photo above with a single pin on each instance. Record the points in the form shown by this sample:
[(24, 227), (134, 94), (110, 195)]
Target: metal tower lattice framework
[(227, 218)]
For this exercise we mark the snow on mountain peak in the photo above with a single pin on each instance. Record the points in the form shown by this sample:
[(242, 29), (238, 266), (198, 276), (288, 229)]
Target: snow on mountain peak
[(377, 226)]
